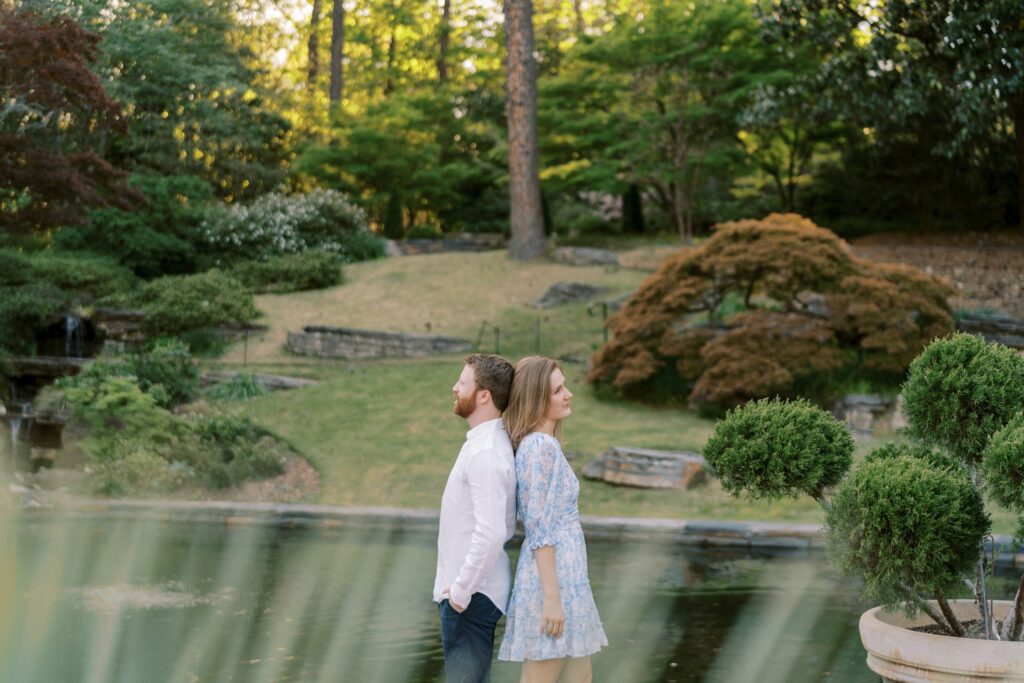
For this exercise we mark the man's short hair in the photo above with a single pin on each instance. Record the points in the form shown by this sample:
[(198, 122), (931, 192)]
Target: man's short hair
[(494, 374)]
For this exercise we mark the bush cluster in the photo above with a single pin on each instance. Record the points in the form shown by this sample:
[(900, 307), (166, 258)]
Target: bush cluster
[(136, 446), (770, 307), (292, 224), (183, 303), (910, 518), (37, 288), (290, 273)]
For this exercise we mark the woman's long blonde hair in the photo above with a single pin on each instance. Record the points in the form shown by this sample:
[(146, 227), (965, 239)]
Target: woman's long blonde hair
[(530, 399)]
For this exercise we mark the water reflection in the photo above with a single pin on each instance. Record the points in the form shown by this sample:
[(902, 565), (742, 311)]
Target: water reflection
[(98, 599)]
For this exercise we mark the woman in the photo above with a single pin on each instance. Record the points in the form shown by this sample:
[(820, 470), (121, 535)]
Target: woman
[(552, 625)]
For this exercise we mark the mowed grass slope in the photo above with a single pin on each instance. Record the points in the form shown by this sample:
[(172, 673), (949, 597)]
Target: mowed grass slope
[(383, 432)]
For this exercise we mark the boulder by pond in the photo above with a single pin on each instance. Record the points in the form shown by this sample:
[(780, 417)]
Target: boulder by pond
[(585, 256), (567, 293), (647, 468)]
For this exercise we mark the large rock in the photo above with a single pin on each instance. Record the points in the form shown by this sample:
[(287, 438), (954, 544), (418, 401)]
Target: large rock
[(1001, 329), (269, 381), (567, 293), (647, 468), (585, 256), (867, 415), (345, 342)]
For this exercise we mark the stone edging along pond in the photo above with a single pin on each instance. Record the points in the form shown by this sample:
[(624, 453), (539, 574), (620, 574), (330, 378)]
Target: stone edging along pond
[(701, 532)]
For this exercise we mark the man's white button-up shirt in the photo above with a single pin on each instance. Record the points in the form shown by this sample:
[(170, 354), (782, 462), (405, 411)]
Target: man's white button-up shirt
[(478, 516)]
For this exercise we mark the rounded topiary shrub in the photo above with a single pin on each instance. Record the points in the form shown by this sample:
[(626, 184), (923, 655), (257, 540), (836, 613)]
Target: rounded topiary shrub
[(772, 448), (1003, 465), (960, 391), (907, 528)]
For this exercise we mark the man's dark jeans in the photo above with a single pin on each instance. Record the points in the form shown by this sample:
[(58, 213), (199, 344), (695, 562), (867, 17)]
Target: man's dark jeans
[(468, 640)]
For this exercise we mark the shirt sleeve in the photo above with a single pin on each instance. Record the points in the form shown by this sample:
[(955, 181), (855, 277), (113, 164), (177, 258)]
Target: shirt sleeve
[(542, 486), (489, 493)]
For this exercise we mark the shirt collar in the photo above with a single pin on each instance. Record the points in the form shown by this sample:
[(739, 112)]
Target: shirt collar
[(485, 428)]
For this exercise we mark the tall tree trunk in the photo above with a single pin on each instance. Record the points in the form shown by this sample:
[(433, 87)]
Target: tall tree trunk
[(444, 41), (337, 52), (1018, 133), (577, 7), (526, 216), (389, 80), (314, 45)]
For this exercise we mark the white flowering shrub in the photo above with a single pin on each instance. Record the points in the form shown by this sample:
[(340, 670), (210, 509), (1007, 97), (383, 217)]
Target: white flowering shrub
[(277, 224)]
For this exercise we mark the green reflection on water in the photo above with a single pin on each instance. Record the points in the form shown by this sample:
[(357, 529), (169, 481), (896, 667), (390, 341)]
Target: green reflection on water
[(98, 599)]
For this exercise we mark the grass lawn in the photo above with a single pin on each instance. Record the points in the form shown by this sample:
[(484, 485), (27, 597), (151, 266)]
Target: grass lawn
[(383, 432)]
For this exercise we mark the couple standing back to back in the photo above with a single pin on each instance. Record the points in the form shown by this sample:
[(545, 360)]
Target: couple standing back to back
[(553, 626)]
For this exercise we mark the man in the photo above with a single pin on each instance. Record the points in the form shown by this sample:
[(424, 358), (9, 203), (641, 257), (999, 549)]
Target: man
[(478, 516)]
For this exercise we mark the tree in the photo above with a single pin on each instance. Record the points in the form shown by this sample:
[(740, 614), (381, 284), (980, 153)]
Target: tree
[(313, 45), (655, 102), (56, 120), (191, 103), (766, 308), (337, 52), (942, 81), (526, 217)]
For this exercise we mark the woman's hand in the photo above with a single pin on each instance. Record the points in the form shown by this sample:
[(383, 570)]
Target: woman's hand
[(552, 621)]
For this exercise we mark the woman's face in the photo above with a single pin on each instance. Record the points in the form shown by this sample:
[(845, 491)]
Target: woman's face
[(558, 407)]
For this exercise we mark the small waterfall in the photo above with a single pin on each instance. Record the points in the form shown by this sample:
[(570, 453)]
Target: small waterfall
[(19, 417), (72, 336)]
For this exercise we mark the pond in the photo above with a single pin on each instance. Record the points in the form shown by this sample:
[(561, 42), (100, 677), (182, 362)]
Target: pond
[(97, 598)]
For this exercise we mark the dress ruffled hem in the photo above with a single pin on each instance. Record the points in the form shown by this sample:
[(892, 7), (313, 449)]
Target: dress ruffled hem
[(537, 649)]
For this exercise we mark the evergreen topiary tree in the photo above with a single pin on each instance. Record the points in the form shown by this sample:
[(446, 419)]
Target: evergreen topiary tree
[(910, 519)]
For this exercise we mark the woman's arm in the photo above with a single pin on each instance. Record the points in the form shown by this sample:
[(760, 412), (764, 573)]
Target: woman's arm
[(552, 620)]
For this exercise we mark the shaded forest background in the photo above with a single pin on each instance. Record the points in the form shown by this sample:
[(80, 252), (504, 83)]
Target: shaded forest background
[(122, 124)]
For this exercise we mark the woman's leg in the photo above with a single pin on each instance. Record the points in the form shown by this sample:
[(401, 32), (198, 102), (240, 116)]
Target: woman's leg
[(541, 671), (577, 670)]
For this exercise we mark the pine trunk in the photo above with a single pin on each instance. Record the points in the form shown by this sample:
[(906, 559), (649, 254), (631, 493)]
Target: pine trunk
[(314, 45), (337, 52), (526, 216), (444, 41)]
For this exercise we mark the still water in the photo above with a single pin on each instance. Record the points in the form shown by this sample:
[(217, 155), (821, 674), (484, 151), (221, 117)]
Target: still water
[(94, 598)]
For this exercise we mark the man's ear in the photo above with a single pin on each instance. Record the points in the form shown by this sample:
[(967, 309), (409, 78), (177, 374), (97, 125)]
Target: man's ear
[(484, 396)]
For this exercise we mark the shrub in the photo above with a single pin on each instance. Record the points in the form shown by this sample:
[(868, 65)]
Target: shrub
[(962, 390), (166, 364), (37, 287), (183, 303), (910, 519), (159, 237), (907, 528), (290, 273), (279, 224), (1003, 465), (25, 310), (135, 446), (773, 449), (241, 387), (244, 451), (809, 315)]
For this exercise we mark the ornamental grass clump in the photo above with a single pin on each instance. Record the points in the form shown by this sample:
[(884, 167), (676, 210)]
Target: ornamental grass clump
[(909, 520)]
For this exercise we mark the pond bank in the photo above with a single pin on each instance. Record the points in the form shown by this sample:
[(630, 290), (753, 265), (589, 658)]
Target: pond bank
[(695, 532)]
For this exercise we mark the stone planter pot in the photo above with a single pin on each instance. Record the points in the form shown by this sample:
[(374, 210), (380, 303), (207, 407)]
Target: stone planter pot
[(898, 654)]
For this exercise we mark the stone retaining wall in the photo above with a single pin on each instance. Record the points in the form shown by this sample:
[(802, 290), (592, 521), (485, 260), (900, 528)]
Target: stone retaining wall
[(344, 342)]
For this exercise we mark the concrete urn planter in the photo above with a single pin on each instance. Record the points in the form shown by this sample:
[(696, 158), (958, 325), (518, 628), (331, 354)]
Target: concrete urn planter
[(898, 654)]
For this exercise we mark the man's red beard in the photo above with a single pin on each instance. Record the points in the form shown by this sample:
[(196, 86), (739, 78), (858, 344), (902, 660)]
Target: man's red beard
[(464, 407)]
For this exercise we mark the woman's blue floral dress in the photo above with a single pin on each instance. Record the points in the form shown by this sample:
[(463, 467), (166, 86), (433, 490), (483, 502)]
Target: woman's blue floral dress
[(547, 492)]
